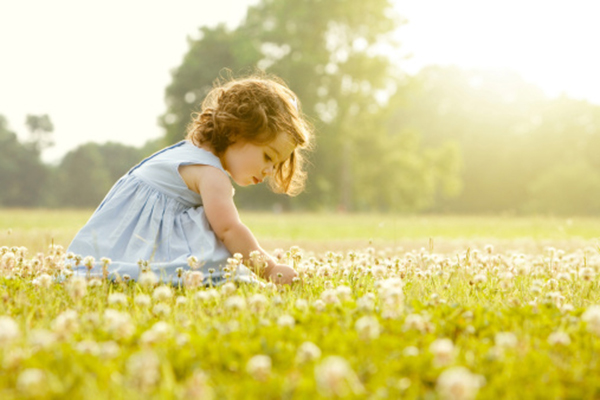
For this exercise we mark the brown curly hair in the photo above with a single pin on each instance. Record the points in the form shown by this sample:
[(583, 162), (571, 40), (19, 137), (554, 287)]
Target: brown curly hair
[(255, 109)]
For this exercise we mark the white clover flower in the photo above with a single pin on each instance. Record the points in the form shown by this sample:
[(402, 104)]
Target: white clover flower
[(480, 278), (193, 262), (367, 328), (286, 321), (587, 273), (591, 316), (415, 322), (148, 279), (411, 351), (506, 340), (443, 352), (228, 288), (258, 303), (366, 303), (193, 279), (335, 377), (235, 303), (142, 300), (40, 338), (32, 382), (344, 293), (301, 304), (118, 324), (9, 330), (117, 299), (144, 370), (458, 383), (259, 367), (197, 387), (43, 280), (329, 296), (87, 347), (559, 338), (161, 310), (181, 300), (159, 332), (319, 305), (77, 287), (308, 351), (162, 293), (66, 323), (109, 349)]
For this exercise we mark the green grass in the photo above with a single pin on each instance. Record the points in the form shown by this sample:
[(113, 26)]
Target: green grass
[(519, 324), (36, 229)]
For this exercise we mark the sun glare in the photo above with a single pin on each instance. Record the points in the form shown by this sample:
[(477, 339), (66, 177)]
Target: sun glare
[(550, 43)]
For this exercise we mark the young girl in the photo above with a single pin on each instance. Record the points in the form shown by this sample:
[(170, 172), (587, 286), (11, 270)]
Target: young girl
[(178, 203)]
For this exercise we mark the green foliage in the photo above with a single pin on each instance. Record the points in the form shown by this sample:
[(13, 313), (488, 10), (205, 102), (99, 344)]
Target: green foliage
[(571, 188), (511, 137), (87, 173), (22, 174), (329, 53)]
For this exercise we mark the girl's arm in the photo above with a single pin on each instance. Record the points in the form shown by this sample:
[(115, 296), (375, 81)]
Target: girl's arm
[(217, 197)]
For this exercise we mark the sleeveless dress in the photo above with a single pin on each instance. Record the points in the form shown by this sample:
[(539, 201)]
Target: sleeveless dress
[(151, 215)]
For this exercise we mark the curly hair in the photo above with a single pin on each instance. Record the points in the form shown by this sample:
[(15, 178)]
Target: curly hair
[(255, 109)]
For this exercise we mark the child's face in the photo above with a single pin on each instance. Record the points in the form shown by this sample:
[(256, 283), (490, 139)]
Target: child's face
[(248, 163)]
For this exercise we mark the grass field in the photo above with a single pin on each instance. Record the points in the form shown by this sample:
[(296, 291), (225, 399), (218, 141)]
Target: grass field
[(36, 229), (387, 307)]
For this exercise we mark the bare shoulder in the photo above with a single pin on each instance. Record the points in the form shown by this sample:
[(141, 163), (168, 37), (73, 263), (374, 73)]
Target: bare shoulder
[(197, 176)]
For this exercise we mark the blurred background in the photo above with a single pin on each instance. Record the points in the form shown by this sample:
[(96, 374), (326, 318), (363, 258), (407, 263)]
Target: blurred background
[(420, 106)]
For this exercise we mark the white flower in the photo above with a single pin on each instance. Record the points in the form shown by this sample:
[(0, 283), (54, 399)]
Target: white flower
[(43, 280), (443, 352), (505, 340), (160, 331), (117, 299), (193, 279), (259, 367), (308, 351), (118, 323), (163, 293), (66, 323), (148, 279), (41, 338), (32, 382), (144, 370), (335, 377), (235, 303), (329, 296), (228, 288), (344, 293), (142, 300), (161, 310), (9, 330), (367, 328), (319, 305), (592, 317), (286, 321), (559, 338), (77, 287), (257, 302), (301, 304), (458, 383)]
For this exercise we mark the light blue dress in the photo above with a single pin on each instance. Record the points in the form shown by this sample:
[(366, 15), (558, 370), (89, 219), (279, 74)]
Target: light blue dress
[(151, 215)]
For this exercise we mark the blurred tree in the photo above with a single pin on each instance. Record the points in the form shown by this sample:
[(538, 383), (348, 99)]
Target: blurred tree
[(568, 188), (510, 134), (87, 173), (331, 55), (22, 174), (40, 131)]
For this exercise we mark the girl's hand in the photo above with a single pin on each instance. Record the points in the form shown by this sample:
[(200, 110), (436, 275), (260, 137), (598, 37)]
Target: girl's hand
[(280, 274)]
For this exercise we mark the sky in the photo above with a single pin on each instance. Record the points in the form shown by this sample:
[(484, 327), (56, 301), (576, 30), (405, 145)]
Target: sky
[(100, 68)]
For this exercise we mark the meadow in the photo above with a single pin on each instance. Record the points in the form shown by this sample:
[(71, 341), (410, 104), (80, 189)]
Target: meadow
[(423, 307)]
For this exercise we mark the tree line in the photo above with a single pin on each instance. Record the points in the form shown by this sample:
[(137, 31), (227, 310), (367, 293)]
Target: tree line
[(445, 140)]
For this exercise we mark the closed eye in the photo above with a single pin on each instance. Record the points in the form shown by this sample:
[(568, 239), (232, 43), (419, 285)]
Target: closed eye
[(268, 158)]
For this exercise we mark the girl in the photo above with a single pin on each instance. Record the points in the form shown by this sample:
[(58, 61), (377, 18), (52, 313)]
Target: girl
[(177, 205)]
